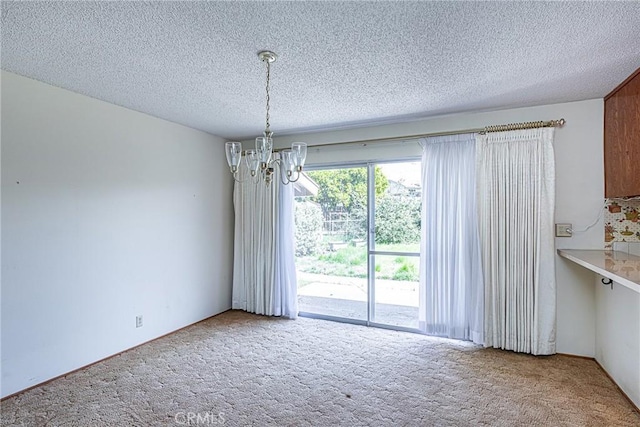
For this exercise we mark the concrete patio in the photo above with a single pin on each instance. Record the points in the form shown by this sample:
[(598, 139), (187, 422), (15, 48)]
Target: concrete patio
[(396, 301)]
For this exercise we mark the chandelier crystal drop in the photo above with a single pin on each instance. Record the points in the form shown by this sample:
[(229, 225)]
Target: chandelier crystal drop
[(260, 162)]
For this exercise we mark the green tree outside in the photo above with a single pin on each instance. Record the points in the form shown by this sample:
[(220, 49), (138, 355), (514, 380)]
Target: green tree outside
[(344, 191), (345, 188)]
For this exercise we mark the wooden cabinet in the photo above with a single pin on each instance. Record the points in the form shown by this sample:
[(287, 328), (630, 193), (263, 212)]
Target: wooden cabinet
[(622, 139)]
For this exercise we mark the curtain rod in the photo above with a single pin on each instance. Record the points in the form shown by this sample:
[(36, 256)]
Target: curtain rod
[(484, 130)]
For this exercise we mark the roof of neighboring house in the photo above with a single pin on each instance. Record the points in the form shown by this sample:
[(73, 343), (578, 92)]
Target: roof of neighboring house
[(305, 186)]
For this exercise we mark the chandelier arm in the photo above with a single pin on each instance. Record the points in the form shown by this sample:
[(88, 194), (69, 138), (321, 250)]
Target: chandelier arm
[(283, 177), (255, 178), (273, 164), (297, 177), (239, 181)]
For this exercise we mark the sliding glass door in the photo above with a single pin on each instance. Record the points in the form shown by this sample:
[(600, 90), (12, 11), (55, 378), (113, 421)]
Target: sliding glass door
[(394, 243), (331, 243), (357, 243)]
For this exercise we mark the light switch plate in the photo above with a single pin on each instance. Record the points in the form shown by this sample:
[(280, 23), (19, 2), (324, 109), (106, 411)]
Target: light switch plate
[(563, 230)]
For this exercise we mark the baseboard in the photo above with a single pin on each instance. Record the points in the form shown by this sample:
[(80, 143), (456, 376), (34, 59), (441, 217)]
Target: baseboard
[(608, 376), (576, 356), (108, 357), (621, 391)]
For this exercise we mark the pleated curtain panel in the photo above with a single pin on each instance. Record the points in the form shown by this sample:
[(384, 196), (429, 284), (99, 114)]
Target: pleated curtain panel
[(451, 291), (264, 274), (516, 197), (487, 271)]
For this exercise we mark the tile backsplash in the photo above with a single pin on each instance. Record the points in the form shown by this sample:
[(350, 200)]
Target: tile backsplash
[(621, 223)]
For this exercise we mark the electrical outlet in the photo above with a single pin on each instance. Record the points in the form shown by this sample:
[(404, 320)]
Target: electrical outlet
[(564, 230), (139, 321)]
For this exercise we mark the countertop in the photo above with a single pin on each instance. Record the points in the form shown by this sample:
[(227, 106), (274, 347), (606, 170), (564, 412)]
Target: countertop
[(620, 267)]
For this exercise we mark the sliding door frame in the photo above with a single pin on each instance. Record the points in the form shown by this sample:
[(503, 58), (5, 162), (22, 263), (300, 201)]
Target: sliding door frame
[(371, 252)]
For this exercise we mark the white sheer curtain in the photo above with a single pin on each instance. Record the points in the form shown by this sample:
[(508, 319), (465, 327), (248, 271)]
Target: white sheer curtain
[(516, 190), (451, 289), (264, 275)]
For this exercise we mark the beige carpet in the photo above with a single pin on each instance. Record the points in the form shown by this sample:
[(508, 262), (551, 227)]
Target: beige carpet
[(238, 369)]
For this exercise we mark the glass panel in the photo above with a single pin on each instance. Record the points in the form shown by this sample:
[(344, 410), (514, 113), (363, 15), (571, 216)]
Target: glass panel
[(264, 147), (287, 165), (396, 290), (234, 154), (331, 250), (299, 153), (397, 207), (253, 161)]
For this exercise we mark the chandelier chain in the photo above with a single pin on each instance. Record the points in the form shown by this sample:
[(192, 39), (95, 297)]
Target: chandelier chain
[(267, 129)]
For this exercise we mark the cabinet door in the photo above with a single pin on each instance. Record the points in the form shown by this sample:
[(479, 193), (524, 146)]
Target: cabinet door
[(622, 139)]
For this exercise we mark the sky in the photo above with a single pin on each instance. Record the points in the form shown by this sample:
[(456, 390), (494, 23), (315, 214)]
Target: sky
[(404, 172)]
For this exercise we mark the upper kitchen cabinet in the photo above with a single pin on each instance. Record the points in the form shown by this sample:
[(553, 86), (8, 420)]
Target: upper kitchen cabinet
[(622, 139)]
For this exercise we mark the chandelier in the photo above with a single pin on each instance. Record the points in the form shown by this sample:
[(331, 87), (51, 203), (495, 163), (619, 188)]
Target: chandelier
[(259, 162)]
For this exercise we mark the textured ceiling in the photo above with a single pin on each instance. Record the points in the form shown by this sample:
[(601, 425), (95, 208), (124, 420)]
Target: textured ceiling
[(340, 63)]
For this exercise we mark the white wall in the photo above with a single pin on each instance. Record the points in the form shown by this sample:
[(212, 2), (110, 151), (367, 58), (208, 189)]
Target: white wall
[(579, 191), (107, 213)]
